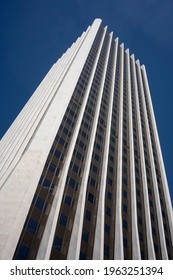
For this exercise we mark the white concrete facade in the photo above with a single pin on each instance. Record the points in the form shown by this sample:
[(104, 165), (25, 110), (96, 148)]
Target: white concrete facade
[(25, 147), (17, 190)]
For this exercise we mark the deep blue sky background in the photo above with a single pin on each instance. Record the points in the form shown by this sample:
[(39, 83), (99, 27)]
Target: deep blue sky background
[(35, 33)]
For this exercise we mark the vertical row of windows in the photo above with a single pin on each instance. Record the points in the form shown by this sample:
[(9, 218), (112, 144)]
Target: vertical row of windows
[(126, 192), (159, 179), (153, 213), (110, 195), (46, 189), (138, 176), (77, 164), (93, 185)]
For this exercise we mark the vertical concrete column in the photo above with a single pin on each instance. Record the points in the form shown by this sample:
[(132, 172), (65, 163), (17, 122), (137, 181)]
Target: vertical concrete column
[(136, 255), (98, 251), (150, 245), (153, 171), (118, 248), (75, 241), (159, 153)]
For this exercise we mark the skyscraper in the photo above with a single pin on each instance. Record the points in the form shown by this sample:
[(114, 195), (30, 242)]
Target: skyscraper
[(82, 174)]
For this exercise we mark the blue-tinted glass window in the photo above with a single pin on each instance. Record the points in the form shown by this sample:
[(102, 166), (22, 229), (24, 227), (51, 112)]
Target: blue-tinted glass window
[(163, 213), (124, 181), (153, 230), (106, 250), (125, 242), (57, 171), (52, 168), (108, 211), (93, 182), (31, 225), (111, 158), (75, 168), (63, 220), (22, 252), (112, 149), (78, 155), (100, 137), (86, 125), (125, 208), (98, 147), (91, 197), (65, 130), (149, 190), (88, 215), (72, 183), (125, 169), (85, 235), (61, 141), (124, 159), (46, 183), (57, 243), (39, 203), (139, 205), (68, 200), (57, 154), (97, 157), (95, 169), (151, 203), (107, 228), (125, 224), (138, 192), (110, 169), (81, 144), (137, 181), (139, 220), (140, 236), (110, 181), (72, 113), (142, 255), (83, 134), (155, 247), (109, 195), (125, 194), (82, 256)]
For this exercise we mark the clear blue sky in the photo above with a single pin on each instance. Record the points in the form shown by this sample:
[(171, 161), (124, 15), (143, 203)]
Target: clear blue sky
[(35, 33)]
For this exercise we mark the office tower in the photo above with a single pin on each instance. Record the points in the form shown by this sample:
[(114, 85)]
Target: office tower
[(82, 174)]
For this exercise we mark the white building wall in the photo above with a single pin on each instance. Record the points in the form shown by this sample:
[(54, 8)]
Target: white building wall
[(19, 185)]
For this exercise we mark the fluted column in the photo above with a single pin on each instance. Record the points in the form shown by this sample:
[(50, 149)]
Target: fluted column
[(75, 241), (135, 237), (118, 248), (98, 251), (159, 153), (153, 172), (150, 245)]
